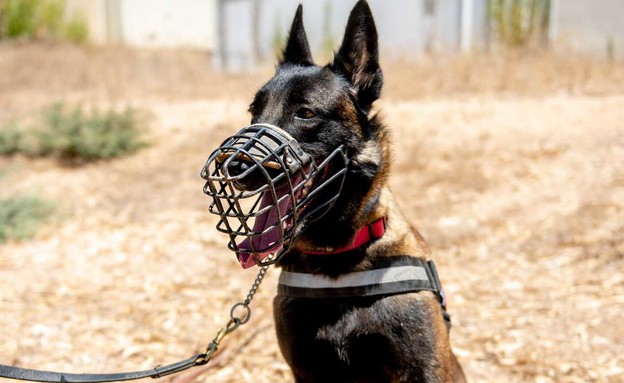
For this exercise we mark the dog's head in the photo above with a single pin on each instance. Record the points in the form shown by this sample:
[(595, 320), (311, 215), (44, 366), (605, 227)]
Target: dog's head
[(311, 160)]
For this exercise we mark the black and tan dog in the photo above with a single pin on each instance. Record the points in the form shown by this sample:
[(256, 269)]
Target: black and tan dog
[(358, 300)]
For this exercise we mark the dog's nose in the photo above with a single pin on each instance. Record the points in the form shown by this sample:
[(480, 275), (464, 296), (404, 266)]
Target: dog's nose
[(237, 167)]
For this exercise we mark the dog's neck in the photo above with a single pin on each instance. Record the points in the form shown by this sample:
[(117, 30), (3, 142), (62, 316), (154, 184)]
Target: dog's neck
[(348, 251), (363, 237), (364, 199), (398, 238)]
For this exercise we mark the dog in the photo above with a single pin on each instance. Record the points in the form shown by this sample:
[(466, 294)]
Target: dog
[(358, 298)]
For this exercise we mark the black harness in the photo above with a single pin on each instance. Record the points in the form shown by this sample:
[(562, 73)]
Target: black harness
[(388, 276)]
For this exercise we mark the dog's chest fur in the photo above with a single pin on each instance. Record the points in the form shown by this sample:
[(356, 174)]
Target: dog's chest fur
[(376, 339)]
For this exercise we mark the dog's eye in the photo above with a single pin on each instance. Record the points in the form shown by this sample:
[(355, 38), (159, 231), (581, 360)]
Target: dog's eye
[(305, 113)]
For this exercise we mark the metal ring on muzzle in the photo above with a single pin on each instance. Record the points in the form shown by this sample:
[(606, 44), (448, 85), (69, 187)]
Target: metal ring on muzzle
[(263, 185)]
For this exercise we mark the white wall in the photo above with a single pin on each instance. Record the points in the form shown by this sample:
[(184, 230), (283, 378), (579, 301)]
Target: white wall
[(405, 29), (169, 23), (589, 26)]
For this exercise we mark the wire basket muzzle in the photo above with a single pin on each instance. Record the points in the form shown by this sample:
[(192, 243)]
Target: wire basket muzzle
[(263, 185)]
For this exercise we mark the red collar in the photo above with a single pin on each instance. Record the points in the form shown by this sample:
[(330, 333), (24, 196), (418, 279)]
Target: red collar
[(368, 233)]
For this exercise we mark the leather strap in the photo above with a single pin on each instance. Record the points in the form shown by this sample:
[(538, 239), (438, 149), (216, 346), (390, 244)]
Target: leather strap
[(366, 234), (19, 373)]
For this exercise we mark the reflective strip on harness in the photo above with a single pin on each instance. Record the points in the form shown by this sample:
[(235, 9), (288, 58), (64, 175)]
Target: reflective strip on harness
[(357, 279), (391, 275)]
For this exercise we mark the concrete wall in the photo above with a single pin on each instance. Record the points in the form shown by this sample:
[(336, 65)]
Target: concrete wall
[(164, 23), (406, 28), (594, 27), (169, 23)]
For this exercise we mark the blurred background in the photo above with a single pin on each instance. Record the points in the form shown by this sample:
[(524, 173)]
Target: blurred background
[(506, 118), (243, 33)]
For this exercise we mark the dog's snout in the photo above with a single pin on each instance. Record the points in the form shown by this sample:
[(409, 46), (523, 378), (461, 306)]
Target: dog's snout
[(243, 174), (237, 167)]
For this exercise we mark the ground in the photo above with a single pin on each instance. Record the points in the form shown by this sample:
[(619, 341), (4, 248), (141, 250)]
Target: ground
[(510, 166)]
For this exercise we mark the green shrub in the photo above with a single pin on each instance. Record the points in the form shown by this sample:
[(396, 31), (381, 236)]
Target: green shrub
[(76, 30), (42, 19), (520, 22), (20, 217), (75, 136), (19, 18), (10, 139), (50, 17)]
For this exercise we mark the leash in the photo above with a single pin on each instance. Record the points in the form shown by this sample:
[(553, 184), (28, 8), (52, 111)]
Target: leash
[(239, 315)]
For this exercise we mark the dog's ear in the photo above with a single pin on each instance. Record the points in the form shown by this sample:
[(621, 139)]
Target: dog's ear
[(358, 57), (297, 50)]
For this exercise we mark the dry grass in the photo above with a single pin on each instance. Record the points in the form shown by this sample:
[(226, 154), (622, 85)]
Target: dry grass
[(112, 74), (510, 166), (509, 73)]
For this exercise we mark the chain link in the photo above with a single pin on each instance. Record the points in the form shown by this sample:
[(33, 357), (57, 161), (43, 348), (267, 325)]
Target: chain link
[(255, 285), (235, 320)]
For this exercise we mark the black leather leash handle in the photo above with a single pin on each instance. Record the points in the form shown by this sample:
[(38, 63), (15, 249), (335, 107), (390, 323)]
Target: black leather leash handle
[(18, 373)]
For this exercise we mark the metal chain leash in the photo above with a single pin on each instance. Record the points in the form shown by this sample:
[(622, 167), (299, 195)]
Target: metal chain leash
[(235, 320)]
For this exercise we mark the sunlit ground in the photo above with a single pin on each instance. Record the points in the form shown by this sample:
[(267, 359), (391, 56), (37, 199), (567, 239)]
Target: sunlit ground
[(509, 165)]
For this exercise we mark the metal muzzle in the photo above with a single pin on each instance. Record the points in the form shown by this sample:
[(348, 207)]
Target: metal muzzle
[(263, 185)]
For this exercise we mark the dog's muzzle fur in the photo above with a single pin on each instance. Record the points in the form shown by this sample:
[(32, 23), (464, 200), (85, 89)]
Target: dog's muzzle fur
[(262, 173)]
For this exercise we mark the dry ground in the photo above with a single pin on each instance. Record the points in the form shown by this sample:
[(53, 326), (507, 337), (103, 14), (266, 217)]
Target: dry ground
[(510, 166)]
